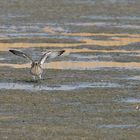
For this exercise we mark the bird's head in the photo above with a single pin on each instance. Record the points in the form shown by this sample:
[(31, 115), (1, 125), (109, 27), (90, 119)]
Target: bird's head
[(35, 63)]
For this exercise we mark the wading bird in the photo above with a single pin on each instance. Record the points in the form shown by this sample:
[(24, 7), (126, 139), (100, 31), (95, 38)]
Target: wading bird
[(37, 65)]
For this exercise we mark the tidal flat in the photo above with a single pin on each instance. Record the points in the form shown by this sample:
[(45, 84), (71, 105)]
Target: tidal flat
[(83, 112), (91, 92)]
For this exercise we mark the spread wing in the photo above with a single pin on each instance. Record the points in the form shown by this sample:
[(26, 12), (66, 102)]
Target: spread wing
[(19, 53), (50, 55)]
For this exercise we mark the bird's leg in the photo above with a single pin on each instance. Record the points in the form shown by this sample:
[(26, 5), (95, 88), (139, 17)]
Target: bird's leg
[(33, 77), (40, 76)]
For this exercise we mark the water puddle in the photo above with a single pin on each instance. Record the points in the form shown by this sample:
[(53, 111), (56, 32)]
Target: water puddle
[(134, 78), (80, 1), (130, 100), (104, 24), (120, 126), (88, 57), (87, 24), (39, 87), (133, 18), (2, 58)]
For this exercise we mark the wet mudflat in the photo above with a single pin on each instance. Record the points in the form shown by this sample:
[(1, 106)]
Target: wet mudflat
[(90, 92), (70, 104)]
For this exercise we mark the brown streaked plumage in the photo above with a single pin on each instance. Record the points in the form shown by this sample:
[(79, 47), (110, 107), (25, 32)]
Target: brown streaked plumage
[(37, 66), (36, 69)]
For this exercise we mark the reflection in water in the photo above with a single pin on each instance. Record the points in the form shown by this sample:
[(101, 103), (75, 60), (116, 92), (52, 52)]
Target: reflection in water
[(105, 24), (2, 58), (91, 65), (7, 46), (39, 87), (101, 34), (120, 40), (80, 65), (81, 1), (109, 18), (134, 78), (123, 126), (5, 117), (15, 65), (130, 100), (114, 40)]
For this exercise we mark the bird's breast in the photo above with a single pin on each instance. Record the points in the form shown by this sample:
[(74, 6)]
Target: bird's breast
[(36, 70)]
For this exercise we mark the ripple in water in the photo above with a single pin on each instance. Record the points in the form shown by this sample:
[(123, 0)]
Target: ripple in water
[(125, 126), (39, 87), (130, 100)]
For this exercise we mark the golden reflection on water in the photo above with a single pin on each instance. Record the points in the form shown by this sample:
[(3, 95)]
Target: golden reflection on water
[(2, 118), (79, 65), (15, 65), (113, 40), (90, 65), (49, 29), (7, 46)]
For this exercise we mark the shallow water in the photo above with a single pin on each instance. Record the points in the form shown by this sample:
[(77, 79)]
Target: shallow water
[(39, 87), (121, 126), (130, 100)]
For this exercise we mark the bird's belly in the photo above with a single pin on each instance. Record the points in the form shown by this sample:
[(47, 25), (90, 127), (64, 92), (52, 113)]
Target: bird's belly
[(36, 71)]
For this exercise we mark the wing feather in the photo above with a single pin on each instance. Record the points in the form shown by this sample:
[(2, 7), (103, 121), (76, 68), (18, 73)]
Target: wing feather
[(50, 55), (21, 54)]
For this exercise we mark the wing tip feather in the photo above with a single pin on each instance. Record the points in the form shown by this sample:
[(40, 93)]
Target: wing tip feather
[(12, 51), (61, 52)]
